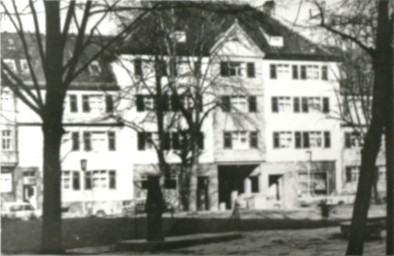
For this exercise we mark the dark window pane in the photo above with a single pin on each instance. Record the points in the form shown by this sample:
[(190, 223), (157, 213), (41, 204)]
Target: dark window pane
[(250, 69), (324, 73), (305, 106), (273, 71), (76, 182), (138, 67), (295, 71), (252, 104), (141, 141), (227, 140), (255, 184), (88, 180), (140, 103), (85, 103), (275, 107), (276, 140), (297, 139), (111, 141), (326, 105), (87, 141), (254, 142), (109, 104), (226, 105), (305, 138), (73, 103), (327, 140), (303, 72), (112, 179), (296, 105), (75, 141)]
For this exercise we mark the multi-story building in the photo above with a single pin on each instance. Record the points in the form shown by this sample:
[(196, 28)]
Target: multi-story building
[(273, 133), (96, 172)]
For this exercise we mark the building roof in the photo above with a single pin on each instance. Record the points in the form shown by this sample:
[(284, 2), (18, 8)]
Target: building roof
[(205, 22), (12, 48)]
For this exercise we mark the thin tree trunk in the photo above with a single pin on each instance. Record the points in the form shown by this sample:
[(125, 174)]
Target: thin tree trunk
[(382, 62), (154, 209)]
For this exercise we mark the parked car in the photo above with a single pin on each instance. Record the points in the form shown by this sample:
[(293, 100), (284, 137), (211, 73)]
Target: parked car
[(309, 200), (137, 206), (19, 210), (344, 197)]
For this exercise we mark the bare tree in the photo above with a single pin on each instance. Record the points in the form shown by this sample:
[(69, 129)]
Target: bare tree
[(60, 70), (368, 25)]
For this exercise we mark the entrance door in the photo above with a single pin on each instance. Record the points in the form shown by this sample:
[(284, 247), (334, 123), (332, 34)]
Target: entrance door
[(29, 194), (202, 193)]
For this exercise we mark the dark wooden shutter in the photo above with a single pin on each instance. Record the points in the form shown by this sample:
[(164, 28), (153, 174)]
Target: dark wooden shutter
[(296, 105), (326, 105), (275, 108), (252, 104), (251, 70), (140, 103), (305, 138), (141, 141), (109, 104)]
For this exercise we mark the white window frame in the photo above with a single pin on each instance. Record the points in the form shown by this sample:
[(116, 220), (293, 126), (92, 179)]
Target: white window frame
[(6, 140), (284, 104)]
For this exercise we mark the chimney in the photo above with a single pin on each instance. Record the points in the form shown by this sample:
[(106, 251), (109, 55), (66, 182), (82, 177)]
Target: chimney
[(269, 7)]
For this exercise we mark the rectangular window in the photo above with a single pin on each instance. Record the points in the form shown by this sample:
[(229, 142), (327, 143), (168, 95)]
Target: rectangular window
[(140, 103), (85, 103), (273, 71), (315, 139), (6, 140), (230, 69), (296, 105), (137, 67), (297, 139), (87, 141), (305, 139), (76, 182), (254, 140), (324, 73), (305, 105), (274, 106), (109, 104), (100, 179), (252, 104), (326, 105), (73, 103), (112, 179), (255, 184), (141, 141), (250, 69), (111, 141), (327, 140), (313, 72), (227, 138), (88, 180), (226, 105), (295, 71), (75, 141), (276, 140), (284, 104), (303, 72)]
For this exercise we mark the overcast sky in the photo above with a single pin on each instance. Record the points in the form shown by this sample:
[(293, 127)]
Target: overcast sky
[(290, 12)]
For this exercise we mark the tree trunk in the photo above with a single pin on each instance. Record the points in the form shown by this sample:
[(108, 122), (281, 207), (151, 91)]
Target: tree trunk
[(382, 62), (154, 208)]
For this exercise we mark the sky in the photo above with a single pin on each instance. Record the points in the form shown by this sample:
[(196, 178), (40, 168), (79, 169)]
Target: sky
[(293, 13)]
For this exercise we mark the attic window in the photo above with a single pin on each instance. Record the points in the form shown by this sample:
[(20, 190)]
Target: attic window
[(179, 36), (275, 41), (24, 66), (94, 68)]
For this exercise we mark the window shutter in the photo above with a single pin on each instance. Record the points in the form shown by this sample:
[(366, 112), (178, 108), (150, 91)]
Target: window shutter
[(275, 108), (327, 140), (326, 105), (88, 180), (303, 72), (226, 105), (324, 73), (141, 141), (253, 140), (306, 139), (251, 70), (276, 139), (297, 139), (305, 106), (75, 141), (273, 71), (295, 71), (85, 103), (76, 182), (87, 141), (109, 103), (112, 179), (296, 105), (227, 140), (73, 103), (252, 104), (140, 103)]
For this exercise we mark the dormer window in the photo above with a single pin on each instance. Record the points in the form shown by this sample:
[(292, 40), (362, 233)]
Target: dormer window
[(10, 64), (24, 66), (178, 36), (275, 41), (94, 68)]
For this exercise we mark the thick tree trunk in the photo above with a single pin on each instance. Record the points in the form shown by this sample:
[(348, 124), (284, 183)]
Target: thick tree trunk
[(154, 208), (51, 225), (383, 80)]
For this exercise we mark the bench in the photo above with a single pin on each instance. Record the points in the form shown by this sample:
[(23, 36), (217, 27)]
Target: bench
[(374, 227)]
